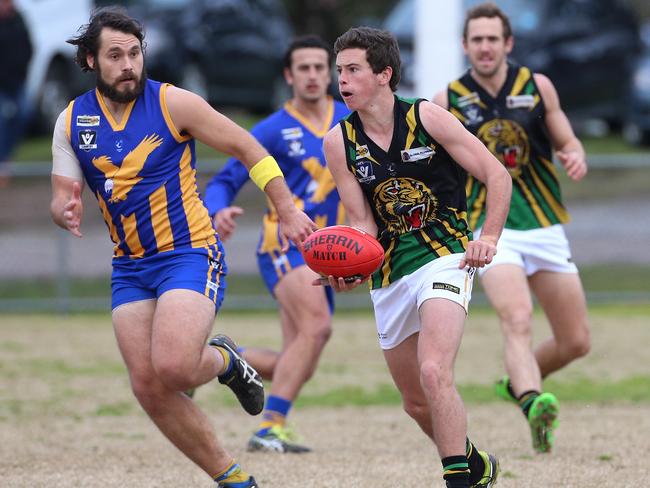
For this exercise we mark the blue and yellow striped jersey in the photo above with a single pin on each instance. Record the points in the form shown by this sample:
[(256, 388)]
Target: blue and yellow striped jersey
[(142, 172), (298, 147)]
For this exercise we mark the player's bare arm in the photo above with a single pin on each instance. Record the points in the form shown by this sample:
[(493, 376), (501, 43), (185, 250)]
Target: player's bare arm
[(66, 207), (192, 115), (440, 99), (356, 206), (475, 158), (568, 147)]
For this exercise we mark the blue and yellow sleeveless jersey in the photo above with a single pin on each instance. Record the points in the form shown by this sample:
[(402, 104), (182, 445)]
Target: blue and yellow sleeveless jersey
[(142, 172), (298, 147)]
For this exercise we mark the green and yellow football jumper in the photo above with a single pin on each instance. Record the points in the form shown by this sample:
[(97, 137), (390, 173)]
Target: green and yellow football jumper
[(513, 129), (415, 190)]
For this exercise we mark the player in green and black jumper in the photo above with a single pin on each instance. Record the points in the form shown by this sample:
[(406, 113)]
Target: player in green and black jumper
[(400, 167), (517, 115)]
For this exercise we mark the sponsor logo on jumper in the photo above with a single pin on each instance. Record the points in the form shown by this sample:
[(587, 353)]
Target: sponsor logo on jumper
[(87, 120), (520, 101), (446, 287), (87, 139), (119, 145), (292, 133), (362, 152), (417, 153), (469, 99)]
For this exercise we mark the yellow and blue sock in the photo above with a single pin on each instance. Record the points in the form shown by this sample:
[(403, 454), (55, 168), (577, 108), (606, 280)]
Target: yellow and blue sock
[(275, 413), (455, 471), (233, 475), (227, 360)]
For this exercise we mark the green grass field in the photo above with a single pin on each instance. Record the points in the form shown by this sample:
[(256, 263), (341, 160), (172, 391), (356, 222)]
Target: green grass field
[(69, 419)]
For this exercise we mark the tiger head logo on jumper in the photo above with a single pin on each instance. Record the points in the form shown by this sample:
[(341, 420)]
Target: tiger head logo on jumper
[(508, 141), (405, 204)]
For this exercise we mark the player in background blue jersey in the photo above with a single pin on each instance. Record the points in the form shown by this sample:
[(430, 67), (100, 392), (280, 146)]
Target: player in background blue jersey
[(294, 136), (131, 142)]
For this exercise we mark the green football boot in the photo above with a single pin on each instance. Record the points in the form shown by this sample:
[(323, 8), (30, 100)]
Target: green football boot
[(542, 418), (502, 390)]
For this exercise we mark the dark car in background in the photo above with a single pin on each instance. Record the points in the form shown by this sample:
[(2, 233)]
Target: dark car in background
[(588, 48), (228, 51)]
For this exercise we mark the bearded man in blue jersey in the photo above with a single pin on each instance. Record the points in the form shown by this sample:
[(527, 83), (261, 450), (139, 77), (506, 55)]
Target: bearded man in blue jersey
[(131, 142), (294, 136)]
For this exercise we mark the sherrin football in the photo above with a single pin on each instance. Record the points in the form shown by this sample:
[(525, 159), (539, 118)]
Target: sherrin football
[(343, 252)]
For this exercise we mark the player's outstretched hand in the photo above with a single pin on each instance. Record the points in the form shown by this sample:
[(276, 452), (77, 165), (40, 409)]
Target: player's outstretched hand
[(295, 226), (73, 210), (574, 163), (479, 253), (224, 221), (339, 284)]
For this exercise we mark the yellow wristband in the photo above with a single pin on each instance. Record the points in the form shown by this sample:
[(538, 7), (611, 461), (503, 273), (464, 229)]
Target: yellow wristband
[(264, 171)]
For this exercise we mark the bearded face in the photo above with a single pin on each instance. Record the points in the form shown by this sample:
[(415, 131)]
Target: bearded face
[(127, 87)]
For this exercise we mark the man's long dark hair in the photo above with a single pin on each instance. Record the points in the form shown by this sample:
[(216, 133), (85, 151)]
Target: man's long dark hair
[(115, 18)]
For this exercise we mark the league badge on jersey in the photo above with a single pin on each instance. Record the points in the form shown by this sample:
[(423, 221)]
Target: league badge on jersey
[(472, 115), (87, 139), (363, 171), (293, 136), (470, 107)]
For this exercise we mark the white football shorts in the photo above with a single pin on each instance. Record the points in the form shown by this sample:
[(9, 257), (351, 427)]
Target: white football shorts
[(397, 305), (544, 249)]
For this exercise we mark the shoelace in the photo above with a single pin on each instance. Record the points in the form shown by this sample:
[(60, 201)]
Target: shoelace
[(248, 373)]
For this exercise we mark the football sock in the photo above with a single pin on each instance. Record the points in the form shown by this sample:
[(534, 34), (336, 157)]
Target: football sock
[(475, 461), (227, 363), (455, 471), (275, 413), (232, 474), (526, 400)]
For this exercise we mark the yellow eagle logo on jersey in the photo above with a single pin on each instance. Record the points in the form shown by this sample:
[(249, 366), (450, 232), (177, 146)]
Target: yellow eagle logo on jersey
[(120, 179), (508, 141), (405, 204)]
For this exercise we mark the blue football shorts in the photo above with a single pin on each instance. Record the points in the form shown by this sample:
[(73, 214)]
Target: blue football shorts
[(274, 265), (203, 270)]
